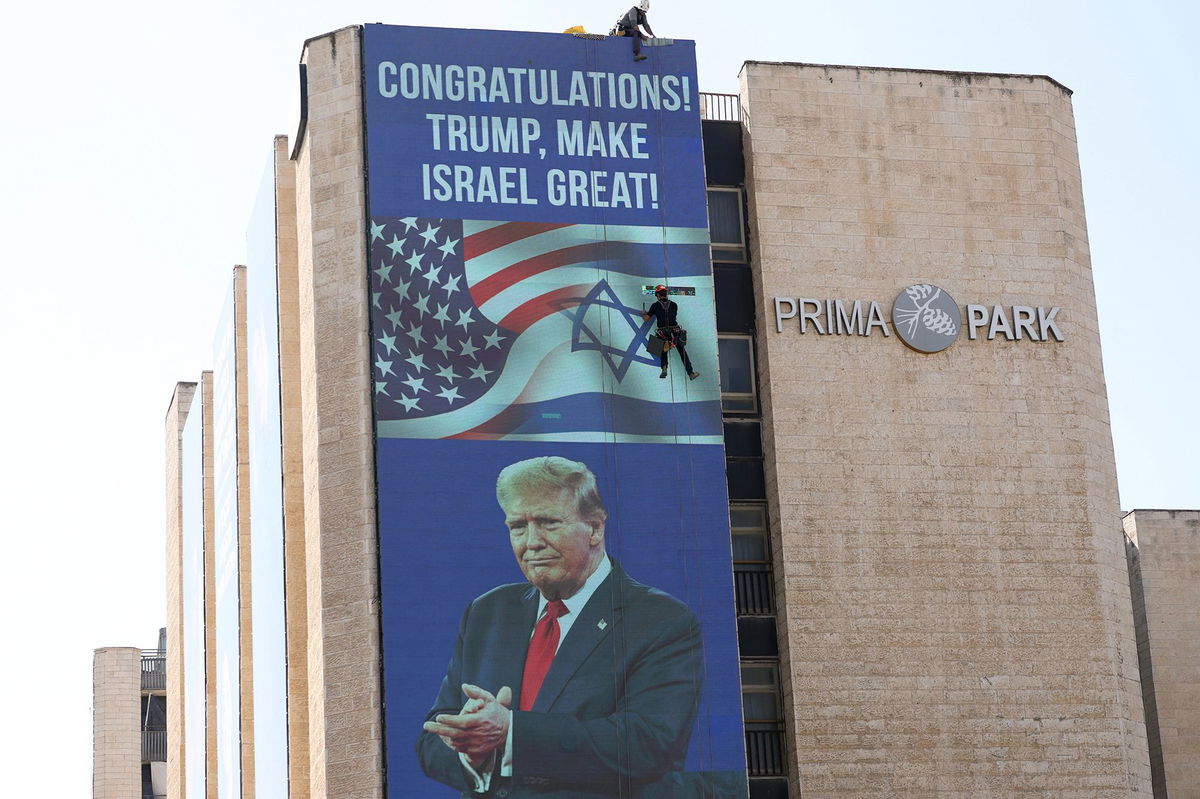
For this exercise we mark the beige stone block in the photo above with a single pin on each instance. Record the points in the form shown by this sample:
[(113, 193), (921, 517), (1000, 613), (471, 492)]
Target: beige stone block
[(244, 587), (177, 413), (210, 587), (116, 723), (333, 431), (295, 589), (944, 518), (1164, 548)]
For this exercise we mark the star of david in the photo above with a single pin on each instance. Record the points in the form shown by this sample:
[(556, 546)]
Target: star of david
[(584, 338)]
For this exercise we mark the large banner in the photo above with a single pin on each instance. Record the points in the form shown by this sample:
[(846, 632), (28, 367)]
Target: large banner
[(225, 544), (557, 599), (269, 641)]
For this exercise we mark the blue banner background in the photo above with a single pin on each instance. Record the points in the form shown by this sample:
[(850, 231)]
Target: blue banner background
[(497, 338), (400, 138), (443, 543)]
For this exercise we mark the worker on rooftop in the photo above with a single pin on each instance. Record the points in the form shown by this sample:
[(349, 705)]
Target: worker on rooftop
[(631, 23)]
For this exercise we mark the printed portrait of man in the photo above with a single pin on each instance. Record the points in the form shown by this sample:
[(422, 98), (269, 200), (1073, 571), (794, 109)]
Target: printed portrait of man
[(580, 682)]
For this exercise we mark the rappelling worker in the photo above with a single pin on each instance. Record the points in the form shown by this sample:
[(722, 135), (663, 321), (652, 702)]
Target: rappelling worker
[(631, 24), (665, 312)]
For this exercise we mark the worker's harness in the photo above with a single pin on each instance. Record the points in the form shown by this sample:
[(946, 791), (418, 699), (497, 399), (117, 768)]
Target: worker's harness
[(672, 336)]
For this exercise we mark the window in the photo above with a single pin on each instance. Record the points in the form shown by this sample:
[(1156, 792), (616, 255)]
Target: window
[(749, 526), (760, 693), (753, 579), (735, 298), (736, 356), (757, 637), (768, 789), (761, 709), (743, 438), (725, 227)]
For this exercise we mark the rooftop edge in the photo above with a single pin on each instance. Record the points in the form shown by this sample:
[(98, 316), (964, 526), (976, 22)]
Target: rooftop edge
[(949, 72)]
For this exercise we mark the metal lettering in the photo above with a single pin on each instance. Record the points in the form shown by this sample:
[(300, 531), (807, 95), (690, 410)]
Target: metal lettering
[(875, 317), (852, 324), (780, 315), (1023, 320), (999, 324), (1046, 323), (815, 316), (846, 318), (977, 317)]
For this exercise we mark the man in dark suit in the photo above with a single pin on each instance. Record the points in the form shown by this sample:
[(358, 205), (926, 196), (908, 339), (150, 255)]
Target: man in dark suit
[(579, 683)]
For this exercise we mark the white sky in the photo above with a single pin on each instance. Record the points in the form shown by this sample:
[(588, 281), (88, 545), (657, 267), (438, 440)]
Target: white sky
[(134, 135)]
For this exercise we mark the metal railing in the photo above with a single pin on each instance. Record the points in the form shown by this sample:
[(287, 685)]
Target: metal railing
[(154, 670), (764, 753), (720, 107), (754, 589), (154, 746)]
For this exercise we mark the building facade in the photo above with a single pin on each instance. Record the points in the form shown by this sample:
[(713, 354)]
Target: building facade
[(129, 722), (1164, 570), (923, 575)]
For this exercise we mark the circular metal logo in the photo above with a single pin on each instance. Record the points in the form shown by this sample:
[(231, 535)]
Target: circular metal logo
[(926, 318)]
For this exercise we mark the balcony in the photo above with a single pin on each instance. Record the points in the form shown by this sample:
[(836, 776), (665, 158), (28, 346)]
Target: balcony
[(764, 753), (154, 670), (754, 589), (720, 107), (154, 746)]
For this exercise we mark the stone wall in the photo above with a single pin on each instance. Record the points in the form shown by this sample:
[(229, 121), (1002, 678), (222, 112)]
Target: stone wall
[(210, 590), (1168, 558), (116, 727), (245, 594), (955, 614), (344, 691), (177, 414), (295, 571)]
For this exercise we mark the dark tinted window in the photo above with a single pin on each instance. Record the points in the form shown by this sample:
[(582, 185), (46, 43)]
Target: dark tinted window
[(736, 357), (735, 299), (725, 217), (768, 789), (745, 479), (756, 637), (743, 439), (723, 162)]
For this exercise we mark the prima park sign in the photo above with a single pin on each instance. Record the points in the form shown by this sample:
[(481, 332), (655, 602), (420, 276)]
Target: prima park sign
[(926, 318)]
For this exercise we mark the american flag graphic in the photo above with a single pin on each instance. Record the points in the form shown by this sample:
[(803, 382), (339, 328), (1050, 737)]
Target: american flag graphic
[(524, 330)]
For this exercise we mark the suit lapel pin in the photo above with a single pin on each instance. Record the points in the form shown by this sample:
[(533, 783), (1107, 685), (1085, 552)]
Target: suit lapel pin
[(602, 624)]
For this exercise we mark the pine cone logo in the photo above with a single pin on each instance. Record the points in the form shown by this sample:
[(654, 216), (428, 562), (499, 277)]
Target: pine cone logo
[(926, 318)]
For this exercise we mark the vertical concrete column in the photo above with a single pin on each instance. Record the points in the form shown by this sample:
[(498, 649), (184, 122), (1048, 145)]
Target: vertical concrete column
[(1065, 241), (295, 571), (210, 591), (116, 724), (245, 575), (345, 709), (177, 413)]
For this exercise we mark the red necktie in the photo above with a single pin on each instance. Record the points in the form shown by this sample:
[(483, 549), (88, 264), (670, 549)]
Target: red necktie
[(541, 651)]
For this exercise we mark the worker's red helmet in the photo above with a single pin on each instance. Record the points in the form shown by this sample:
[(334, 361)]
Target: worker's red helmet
[(660, 289)]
